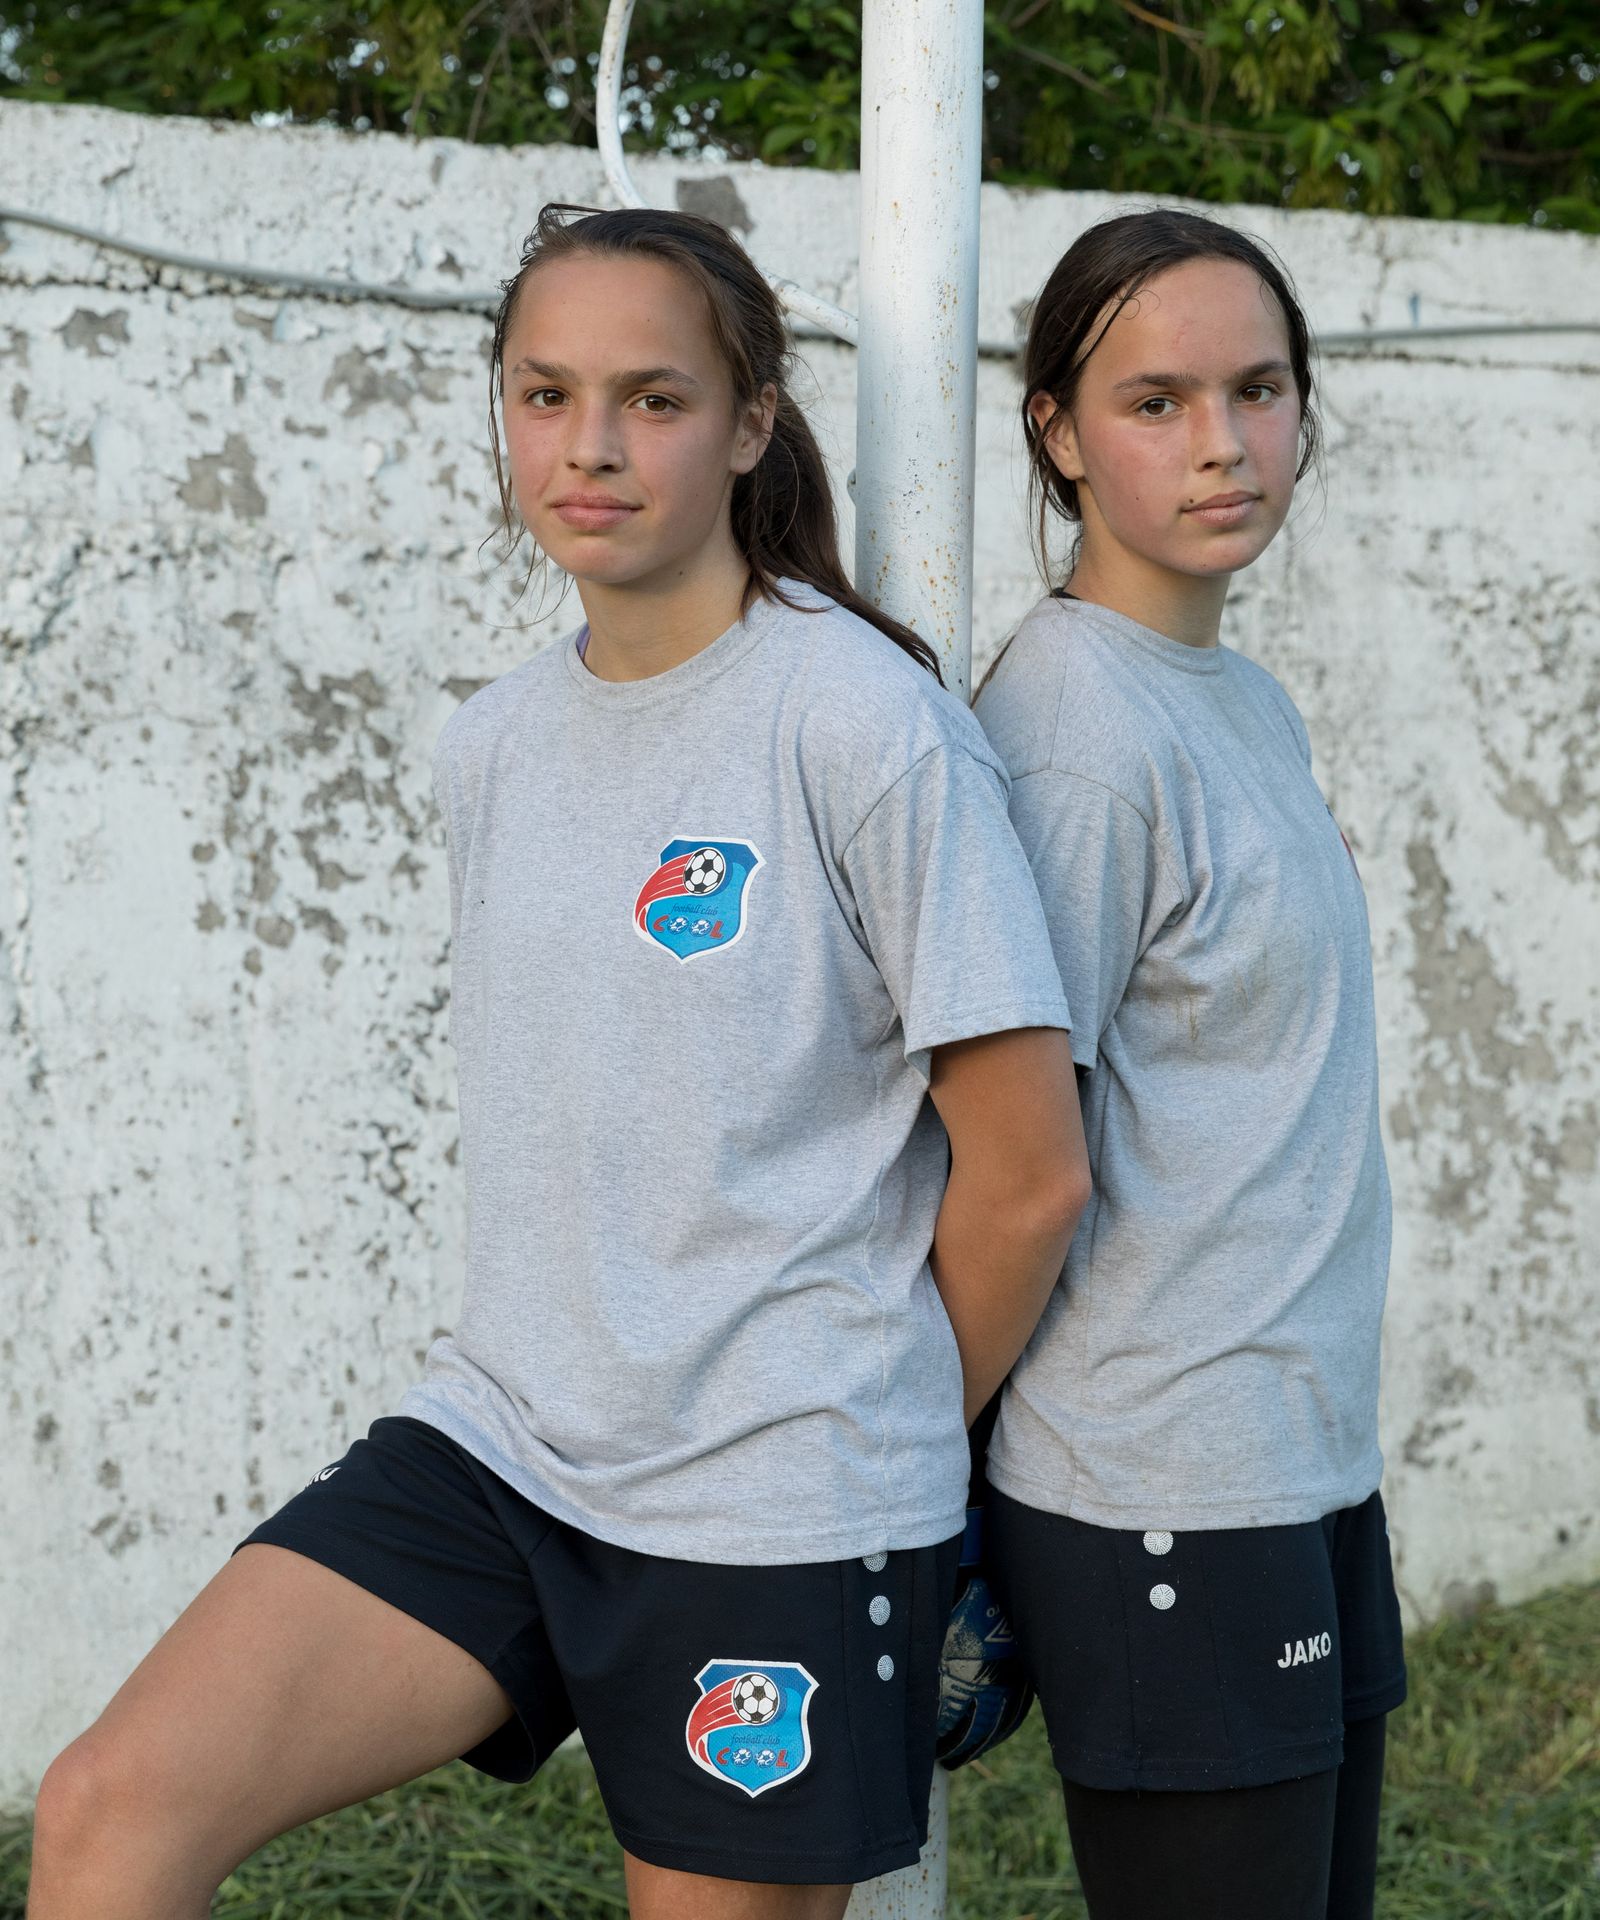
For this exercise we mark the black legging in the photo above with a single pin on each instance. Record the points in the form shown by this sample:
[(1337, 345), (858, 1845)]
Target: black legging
[(1295, 1850)]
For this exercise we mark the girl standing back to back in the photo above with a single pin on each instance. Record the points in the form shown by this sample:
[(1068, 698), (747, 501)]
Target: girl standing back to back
[(771, 1158), (1187, 1527)]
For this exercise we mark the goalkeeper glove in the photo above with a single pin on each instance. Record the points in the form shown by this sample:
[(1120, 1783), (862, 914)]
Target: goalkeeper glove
[(984, 1694)]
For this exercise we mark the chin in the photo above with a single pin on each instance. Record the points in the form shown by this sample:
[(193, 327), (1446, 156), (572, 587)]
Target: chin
[(1225, 554), (598, 560)]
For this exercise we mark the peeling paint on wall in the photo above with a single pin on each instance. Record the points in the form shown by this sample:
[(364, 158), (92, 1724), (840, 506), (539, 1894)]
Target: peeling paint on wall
[(245, 583)]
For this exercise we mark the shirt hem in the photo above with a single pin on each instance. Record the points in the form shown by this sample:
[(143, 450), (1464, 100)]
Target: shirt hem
[(1191, 1516), (788, 1549)]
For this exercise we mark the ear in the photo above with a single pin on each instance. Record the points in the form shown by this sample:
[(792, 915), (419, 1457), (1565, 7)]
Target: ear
[(755, 429), (1055, 426)]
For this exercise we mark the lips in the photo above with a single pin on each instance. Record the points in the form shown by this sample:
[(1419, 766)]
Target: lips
[(1224, 509), (591, 512)]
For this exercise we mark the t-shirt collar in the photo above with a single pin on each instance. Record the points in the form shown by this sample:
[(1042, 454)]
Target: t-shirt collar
[(724, 652), (1173, 653)]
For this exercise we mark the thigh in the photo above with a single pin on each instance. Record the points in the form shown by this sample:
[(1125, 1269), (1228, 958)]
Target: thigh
[(660, 1893), (1244, 1853), (410, 1516), (1353, 1878), (282, 1692)]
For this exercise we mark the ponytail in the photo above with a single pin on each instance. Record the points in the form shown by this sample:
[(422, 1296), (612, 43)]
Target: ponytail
[(782, 510)]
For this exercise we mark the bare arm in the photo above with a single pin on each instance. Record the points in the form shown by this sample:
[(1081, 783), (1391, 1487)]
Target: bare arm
[(1019, 1179)]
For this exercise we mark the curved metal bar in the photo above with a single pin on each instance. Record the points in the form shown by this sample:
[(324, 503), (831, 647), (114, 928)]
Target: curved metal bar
[(608, 104), (608, 114)]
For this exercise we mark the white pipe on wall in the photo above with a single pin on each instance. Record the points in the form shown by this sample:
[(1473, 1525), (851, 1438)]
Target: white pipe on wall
[(916, 394), (916, 409)]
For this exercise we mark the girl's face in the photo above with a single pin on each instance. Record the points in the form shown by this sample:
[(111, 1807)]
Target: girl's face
[(1184, 435), (620, 426)]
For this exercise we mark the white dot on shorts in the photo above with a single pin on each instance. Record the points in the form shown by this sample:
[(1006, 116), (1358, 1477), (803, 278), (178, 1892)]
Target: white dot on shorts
[(1158, 1543), (885, 1668), (1162, 1597), (875, 1562), (878, 1609)]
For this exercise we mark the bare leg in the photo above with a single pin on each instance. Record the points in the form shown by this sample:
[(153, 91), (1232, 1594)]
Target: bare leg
[(662, 1893), (283, 1692)]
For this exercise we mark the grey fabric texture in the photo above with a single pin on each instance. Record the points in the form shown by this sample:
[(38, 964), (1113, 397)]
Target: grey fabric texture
[(698, 1317), (1210, 1356)]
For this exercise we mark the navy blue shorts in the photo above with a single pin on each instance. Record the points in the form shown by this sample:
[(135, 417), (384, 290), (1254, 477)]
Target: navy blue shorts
[(1183, 1661), (756, 1723)]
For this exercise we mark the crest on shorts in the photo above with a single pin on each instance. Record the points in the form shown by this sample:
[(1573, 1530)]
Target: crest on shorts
[(694, 902), (749, 1726)]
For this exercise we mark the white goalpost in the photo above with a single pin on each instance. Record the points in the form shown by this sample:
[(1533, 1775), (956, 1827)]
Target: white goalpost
[(916, 402)]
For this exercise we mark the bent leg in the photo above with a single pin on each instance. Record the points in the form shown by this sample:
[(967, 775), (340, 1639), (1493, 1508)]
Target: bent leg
[(1240, 1853), (283, 1692), (662, 1893)]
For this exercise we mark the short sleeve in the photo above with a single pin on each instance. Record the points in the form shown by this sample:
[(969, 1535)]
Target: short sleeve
[(1104, 887), (949, 908)]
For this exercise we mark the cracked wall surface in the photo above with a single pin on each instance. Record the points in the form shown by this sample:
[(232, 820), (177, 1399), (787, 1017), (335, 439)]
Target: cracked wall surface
[(243, 583)]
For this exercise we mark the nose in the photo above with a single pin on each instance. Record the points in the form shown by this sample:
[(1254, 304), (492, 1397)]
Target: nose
[(594, 437), (1216, 441)]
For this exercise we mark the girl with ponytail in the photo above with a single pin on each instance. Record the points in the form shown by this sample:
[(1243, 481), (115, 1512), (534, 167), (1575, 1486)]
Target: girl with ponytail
[(1185, 1519), (771, 1153)]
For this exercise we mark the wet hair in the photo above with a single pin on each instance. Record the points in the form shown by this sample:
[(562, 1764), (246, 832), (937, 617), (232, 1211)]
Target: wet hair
[(782, 510), (1097, 276)]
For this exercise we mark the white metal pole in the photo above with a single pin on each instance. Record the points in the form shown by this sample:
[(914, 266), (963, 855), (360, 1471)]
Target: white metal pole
[(916, 407), (916, 393)]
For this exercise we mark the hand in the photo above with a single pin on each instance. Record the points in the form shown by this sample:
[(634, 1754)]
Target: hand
[(984, 1693)]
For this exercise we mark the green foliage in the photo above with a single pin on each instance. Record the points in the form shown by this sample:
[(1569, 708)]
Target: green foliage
[(1491, 1811), (1467, 109)]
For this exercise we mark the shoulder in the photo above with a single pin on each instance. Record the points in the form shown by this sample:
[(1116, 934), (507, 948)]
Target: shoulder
[(864, 706), (1271, 693), (1068, 697), (473, 730)]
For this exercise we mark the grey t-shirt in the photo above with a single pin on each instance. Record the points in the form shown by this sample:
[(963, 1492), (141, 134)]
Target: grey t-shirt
[(707, 928), (1210, 1356)]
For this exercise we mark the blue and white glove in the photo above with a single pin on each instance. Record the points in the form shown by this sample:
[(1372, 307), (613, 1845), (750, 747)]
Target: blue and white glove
[(984, 1695)]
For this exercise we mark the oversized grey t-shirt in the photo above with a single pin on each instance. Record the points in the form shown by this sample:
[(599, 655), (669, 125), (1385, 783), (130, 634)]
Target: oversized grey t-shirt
[(708, 927), (1210, 1356)]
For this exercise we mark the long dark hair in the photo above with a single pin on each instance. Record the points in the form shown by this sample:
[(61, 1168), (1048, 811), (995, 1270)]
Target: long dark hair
[(783, 520), (1103, 269)]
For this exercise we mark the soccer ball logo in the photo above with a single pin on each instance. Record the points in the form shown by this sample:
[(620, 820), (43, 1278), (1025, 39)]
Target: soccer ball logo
[(756, 1699), (706, 871)]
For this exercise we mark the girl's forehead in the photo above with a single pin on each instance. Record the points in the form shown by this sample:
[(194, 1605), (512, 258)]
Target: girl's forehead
[(599, 310), (1205, 310)]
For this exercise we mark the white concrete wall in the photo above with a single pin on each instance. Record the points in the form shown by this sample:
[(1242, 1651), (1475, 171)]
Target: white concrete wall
[(240, 590)]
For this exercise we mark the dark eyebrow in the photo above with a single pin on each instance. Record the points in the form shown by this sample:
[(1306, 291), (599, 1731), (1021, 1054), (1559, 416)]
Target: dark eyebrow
[(1187, 382), (629, 378)]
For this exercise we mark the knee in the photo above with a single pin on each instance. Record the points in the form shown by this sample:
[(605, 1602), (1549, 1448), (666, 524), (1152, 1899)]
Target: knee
[(90, 1792)]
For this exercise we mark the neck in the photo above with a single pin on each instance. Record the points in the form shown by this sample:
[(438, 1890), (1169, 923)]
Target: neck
[(1182, 606), (645, 627)]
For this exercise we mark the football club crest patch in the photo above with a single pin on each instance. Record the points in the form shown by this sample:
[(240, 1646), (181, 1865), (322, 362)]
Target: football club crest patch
[(749, 1726), (694, 902)]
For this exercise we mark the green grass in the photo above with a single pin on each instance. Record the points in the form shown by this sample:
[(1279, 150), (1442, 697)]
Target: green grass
[(1492, 1809)]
